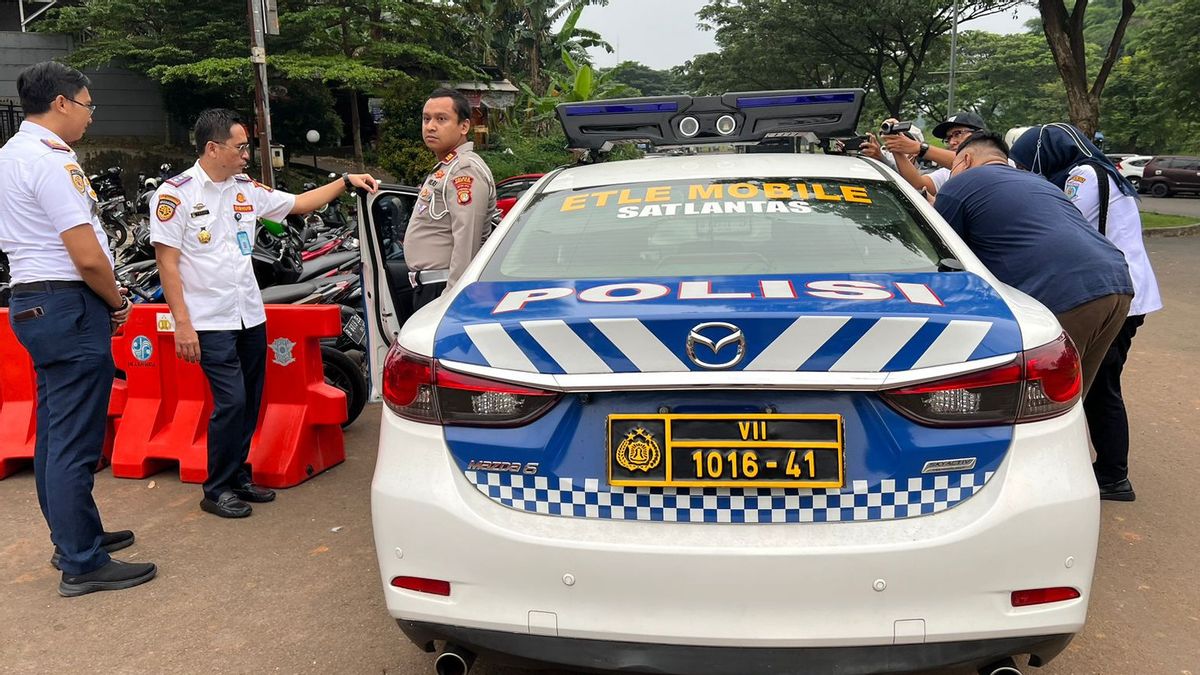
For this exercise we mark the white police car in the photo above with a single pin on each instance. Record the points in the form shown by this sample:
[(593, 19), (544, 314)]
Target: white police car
[(726, 413)]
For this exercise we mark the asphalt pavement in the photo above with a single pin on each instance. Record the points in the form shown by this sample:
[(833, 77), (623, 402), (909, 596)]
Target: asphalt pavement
[(295, 588), (1177, 205)]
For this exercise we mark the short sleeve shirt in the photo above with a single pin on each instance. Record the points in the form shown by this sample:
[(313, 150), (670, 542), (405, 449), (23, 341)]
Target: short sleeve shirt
[(1032, 238), (44, 193), (214, 225), (1123, 227)]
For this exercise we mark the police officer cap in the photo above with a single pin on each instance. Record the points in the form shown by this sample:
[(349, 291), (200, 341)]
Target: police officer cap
[(963, 118)]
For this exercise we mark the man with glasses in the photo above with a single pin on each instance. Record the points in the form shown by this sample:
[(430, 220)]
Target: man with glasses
[(954, 131), (203, 230), (65, 305)]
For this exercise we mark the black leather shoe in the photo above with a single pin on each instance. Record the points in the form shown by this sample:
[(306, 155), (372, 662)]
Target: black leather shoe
[(227, 506), (254, 493), (114, 576), (109, 541), (1119, 491)]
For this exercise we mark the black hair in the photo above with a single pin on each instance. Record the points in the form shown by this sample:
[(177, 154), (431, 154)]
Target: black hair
[(213, 125), (39, 84), (461, 106), (991, 139)]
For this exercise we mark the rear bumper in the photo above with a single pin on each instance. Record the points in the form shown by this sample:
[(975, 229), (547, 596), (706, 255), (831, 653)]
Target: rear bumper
[(916, 583), (635, 657)]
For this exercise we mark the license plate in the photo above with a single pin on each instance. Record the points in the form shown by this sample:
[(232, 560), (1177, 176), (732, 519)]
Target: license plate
[(723, 450), (355, 329)]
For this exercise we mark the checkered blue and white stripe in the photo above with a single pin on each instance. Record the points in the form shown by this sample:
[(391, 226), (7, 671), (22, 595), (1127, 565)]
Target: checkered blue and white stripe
[(590, 498)]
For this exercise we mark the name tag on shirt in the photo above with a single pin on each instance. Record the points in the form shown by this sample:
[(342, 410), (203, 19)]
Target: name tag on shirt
[(244, 243)]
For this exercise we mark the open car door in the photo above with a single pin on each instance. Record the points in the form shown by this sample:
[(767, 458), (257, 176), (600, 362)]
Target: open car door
[(387, 293)]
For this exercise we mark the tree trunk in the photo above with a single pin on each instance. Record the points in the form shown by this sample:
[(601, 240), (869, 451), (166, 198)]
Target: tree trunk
[(1064, 34)]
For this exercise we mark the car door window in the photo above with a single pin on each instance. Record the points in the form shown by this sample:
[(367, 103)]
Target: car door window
[(391, 213)]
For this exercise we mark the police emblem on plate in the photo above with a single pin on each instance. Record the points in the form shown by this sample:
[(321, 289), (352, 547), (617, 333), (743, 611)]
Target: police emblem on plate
[(282, 349), (639, 451)]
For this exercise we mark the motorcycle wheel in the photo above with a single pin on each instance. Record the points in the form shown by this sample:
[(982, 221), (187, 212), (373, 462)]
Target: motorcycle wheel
[(342, 372), (117, 234)]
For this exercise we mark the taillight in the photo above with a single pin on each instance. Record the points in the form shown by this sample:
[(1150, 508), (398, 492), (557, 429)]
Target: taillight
[(1041, 383), (416, 388), (1042, 596)]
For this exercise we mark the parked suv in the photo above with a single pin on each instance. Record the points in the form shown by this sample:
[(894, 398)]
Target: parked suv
[(1164, 176), (1132, 166)]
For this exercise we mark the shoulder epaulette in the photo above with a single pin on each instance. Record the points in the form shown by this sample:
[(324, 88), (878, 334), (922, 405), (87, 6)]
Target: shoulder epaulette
[(243, 178), (178, 181), (56, 145)]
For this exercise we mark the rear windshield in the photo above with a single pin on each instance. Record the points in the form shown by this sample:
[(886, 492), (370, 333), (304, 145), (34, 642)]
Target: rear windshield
[(708, 227)]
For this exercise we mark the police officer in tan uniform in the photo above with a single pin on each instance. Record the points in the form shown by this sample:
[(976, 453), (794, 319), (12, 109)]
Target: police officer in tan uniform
[(456, 209)]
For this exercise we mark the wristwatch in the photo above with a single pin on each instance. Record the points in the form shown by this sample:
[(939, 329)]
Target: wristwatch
[(922, 151), (124, 304), (346, 180)]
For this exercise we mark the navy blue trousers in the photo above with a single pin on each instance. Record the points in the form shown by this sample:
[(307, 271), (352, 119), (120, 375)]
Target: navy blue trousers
[(235, 363), (72, 357), (1108, 423)]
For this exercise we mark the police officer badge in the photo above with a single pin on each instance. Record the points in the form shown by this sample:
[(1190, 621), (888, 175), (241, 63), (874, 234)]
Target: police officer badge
[(639, 451), (204, 237)]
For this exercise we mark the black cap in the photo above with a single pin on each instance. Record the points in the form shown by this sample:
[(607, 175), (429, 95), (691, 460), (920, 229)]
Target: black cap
[(964, 118)]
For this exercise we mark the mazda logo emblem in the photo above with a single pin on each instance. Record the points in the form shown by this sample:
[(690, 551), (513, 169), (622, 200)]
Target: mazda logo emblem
[(727, 335)]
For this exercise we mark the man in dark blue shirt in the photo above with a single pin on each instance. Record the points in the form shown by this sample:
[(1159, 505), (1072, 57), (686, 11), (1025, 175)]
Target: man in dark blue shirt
[(1032, 238)]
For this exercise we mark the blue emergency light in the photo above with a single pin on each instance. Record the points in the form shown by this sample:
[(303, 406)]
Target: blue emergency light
[(738, 117)]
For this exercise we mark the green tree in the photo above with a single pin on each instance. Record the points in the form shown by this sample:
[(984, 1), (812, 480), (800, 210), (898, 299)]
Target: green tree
[(881, 46), (646, 80), (1065, 33)]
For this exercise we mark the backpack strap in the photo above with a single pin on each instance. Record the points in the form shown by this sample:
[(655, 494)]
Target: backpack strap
[(1102, 179)]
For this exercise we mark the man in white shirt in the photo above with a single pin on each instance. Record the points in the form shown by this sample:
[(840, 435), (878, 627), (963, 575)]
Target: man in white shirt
[(65, 305), (203, 231)]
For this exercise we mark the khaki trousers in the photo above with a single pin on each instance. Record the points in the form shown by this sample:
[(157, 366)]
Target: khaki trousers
[(1092, 326)]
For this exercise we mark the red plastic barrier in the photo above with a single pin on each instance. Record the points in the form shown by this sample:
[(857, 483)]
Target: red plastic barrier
[(168, 401), (18, 404)]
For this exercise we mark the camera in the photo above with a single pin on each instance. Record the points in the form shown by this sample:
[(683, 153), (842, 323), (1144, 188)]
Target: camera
[(889, 128)]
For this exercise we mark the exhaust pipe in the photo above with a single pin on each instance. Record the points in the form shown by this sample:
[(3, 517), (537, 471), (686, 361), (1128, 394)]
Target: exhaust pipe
[(1002, 667), (454, 660)]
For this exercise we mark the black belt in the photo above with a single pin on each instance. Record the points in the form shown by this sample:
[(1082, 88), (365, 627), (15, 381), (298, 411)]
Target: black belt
[(46, 286)]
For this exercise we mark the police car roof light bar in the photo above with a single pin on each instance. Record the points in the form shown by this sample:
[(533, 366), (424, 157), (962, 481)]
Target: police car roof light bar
[(736, 117)]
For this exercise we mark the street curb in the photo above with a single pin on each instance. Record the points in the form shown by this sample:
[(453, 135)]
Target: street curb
[(1181, 231)]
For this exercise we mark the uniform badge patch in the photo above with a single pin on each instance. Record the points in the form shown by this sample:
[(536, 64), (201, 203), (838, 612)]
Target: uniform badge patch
[(1071, 190), (462, 186), (260, 185), (77, 178), (243, 208), (166, 208), (439, 174), (450, 158), (1077, 179), (178, 180), (241, 198), (204, 237)]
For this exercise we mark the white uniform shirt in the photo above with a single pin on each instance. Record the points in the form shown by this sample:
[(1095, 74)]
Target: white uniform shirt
[(939, 177), (43, 193), (213, 225), (1123, 228)]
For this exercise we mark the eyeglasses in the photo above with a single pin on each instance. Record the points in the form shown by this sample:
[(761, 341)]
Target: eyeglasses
[(959, 132), (239, 148), (90, 106)]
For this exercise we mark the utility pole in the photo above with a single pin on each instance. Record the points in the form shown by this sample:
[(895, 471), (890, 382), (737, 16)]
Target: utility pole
[(262, 106), (953, 61)]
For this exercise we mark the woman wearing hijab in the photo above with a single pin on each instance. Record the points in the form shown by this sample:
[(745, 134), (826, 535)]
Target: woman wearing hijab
[(1108, 201)]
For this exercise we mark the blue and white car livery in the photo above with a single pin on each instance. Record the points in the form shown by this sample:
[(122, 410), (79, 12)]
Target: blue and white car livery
[(756, 411)]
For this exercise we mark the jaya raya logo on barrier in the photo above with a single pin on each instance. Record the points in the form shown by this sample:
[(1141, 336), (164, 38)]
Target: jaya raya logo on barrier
[(142, 348)]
